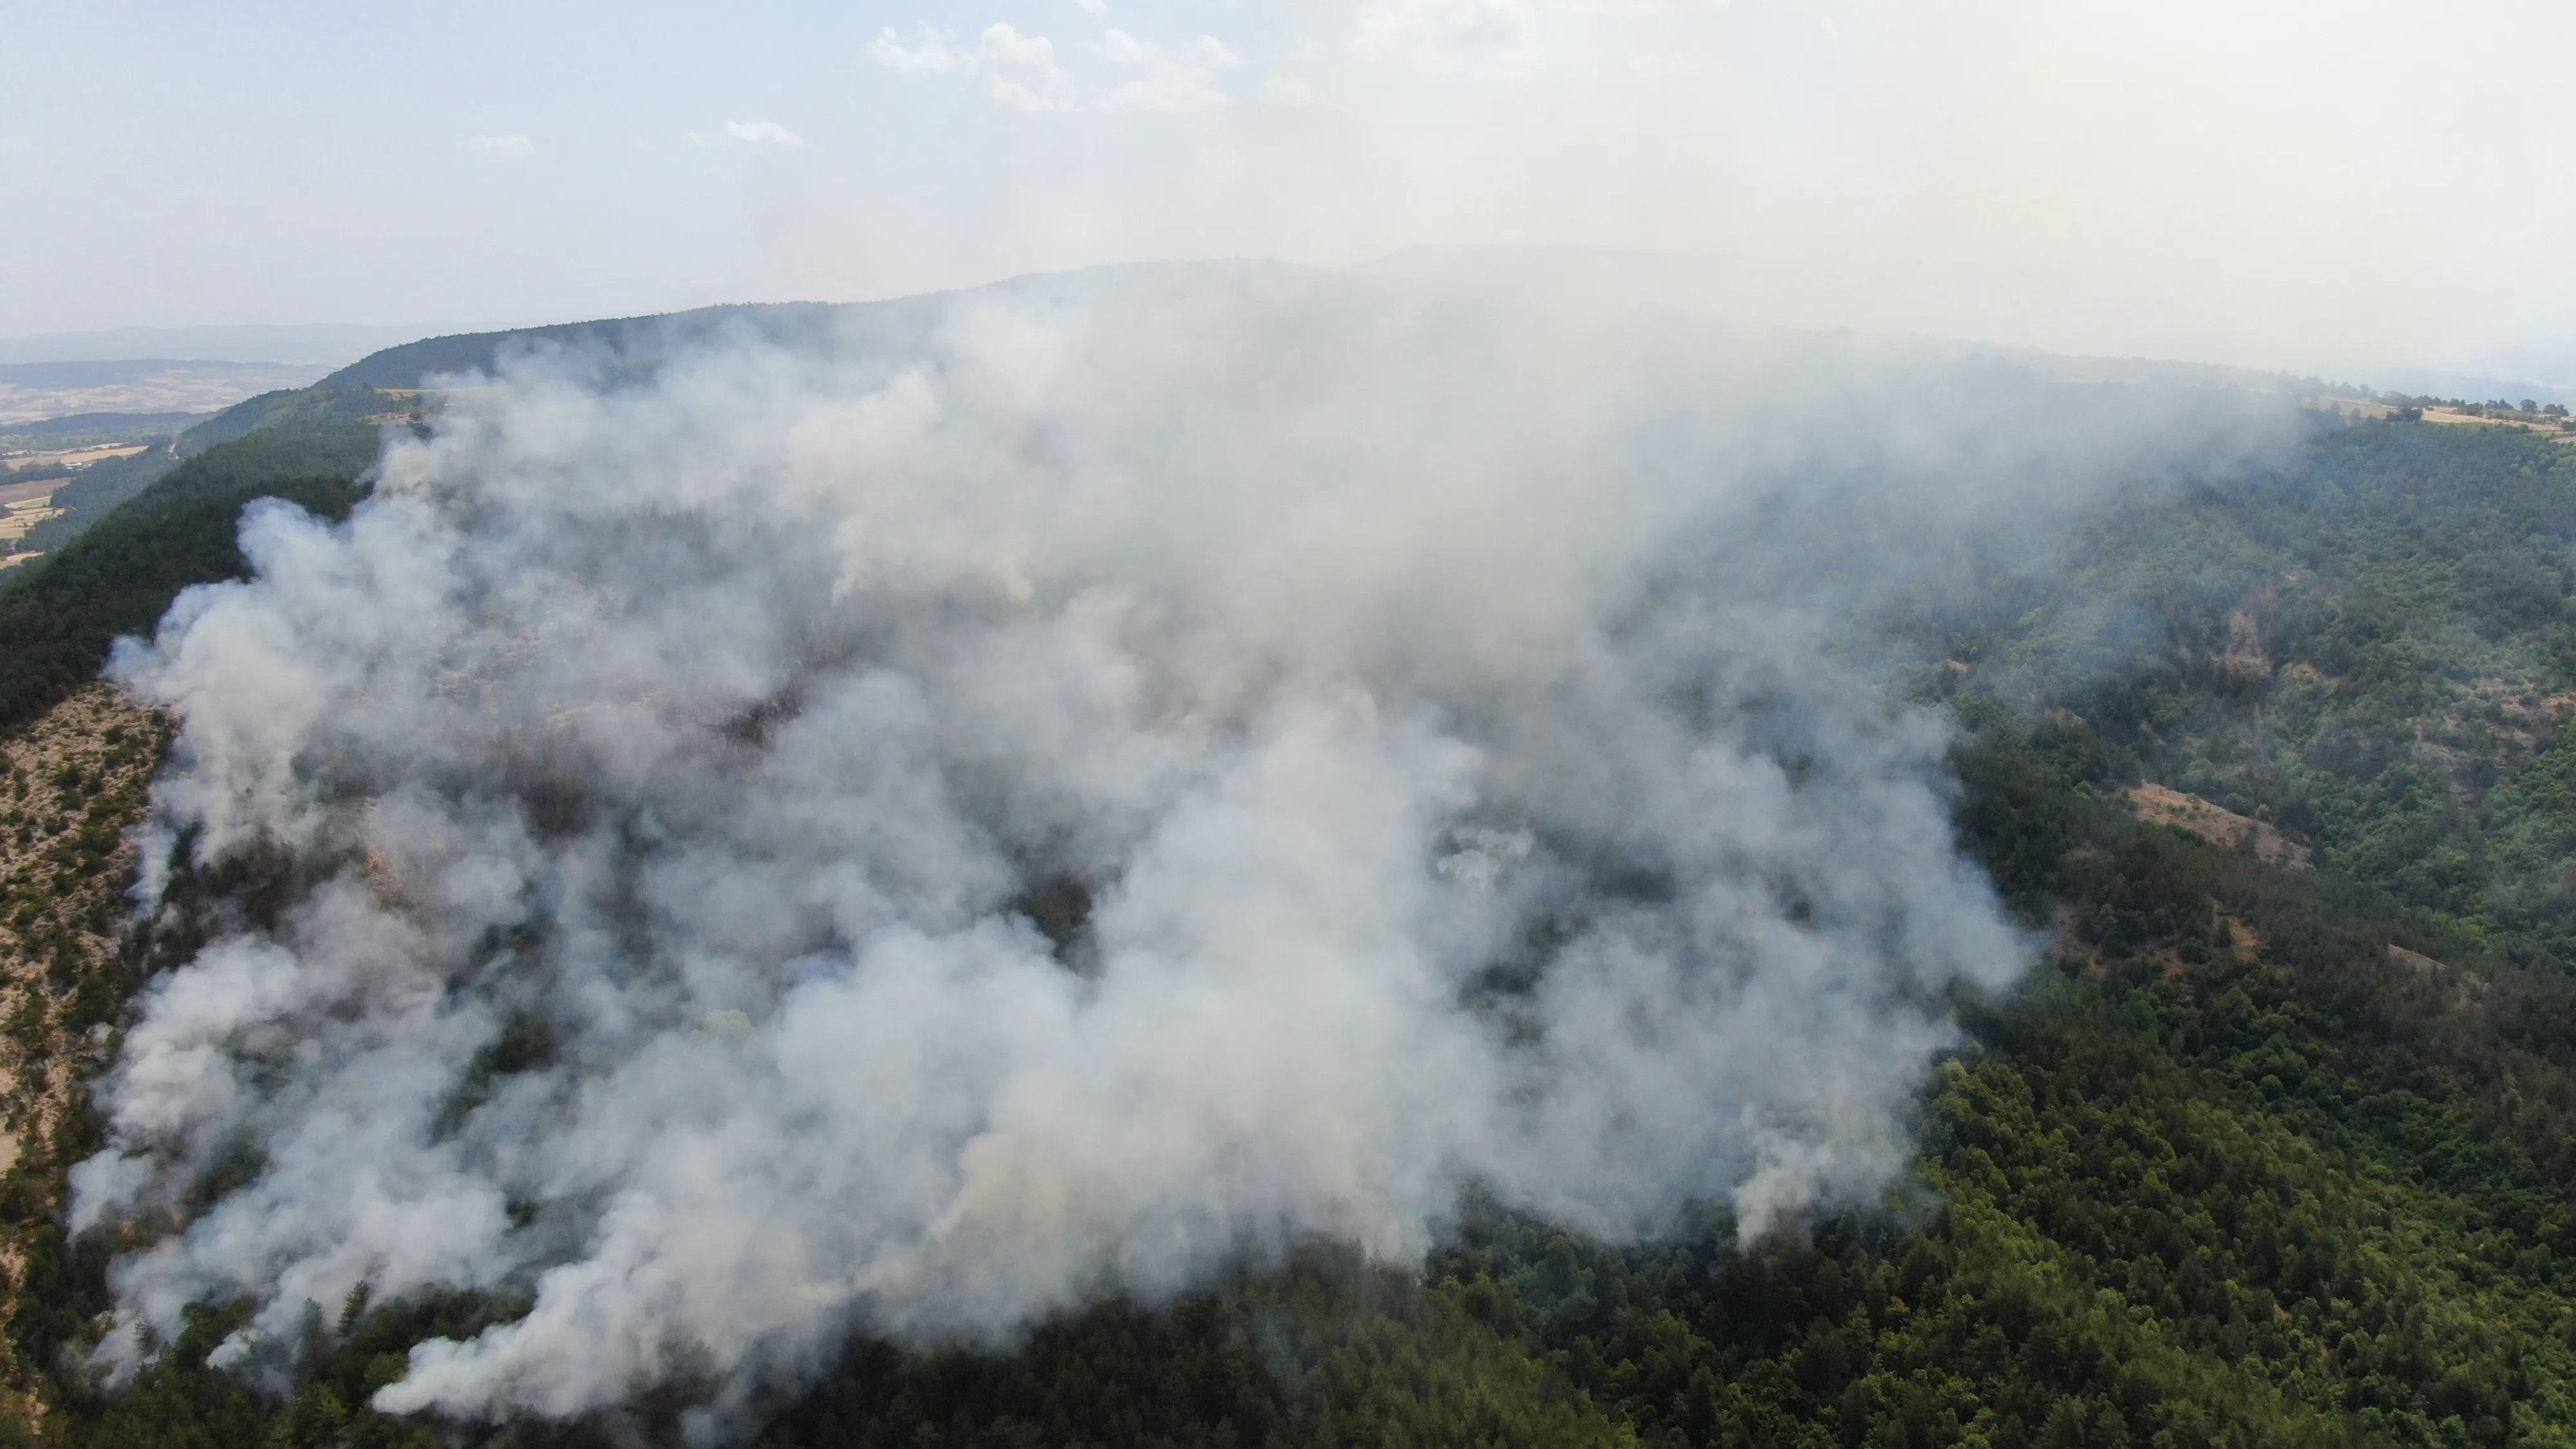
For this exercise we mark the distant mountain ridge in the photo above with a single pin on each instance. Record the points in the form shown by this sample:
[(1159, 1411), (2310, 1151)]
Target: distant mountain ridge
[(885, 326), (1578, 276), (409, 364), (124, 371), (90, 425), (32, 392), (326, 344)]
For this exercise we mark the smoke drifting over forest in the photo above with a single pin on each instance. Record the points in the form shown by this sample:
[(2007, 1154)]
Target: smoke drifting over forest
[(911, 833)]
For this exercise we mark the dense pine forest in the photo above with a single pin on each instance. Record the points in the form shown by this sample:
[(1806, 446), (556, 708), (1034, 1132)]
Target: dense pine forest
[(2275, 1145)]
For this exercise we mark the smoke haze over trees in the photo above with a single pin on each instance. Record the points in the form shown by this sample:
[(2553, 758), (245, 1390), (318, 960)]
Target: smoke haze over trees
[(912, 834), (1657, 724)]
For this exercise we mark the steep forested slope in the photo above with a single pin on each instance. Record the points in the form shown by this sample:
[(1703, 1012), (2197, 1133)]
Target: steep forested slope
[(60, 613), (2259, 1155)]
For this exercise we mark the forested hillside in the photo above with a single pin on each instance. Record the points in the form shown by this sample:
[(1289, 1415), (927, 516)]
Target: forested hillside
[(2275, 1146)]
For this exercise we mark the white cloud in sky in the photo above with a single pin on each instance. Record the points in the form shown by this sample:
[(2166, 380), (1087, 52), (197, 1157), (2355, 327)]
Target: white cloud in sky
[(763, 133), (1490, 36), (1286, 90), (2329, 179), (1021, 72), (1628, 7), (930, 57), (511, 148), (1177, 80)]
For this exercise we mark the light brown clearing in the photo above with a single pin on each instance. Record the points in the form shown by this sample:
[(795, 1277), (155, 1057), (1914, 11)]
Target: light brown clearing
[(73, 457), (2241, 943), (19, 518), (13, 494), (2468, 988), (2246, 652), (2241, 939), (2455, 417), (2417, 961), (2530, 719), (2069, 945), (2160, 805)]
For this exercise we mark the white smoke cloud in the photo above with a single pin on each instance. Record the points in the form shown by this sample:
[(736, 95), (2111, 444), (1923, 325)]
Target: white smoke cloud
[(1422, 691)]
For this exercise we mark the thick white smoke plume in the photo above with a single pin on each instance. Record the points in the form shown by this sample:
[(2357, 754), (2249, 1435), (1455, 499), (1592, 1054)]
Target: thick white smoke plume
[(1042, 793)]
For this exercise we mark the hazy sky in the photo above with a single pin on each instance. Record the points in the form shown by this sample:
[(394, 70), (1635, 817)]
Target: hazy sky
[(2265, 181)]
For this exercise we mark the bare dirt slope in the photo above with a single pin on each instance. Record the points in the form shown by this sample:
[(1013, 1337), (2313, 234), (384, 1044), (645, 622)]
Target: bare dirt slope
[(2218, 825), (71, 785)]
